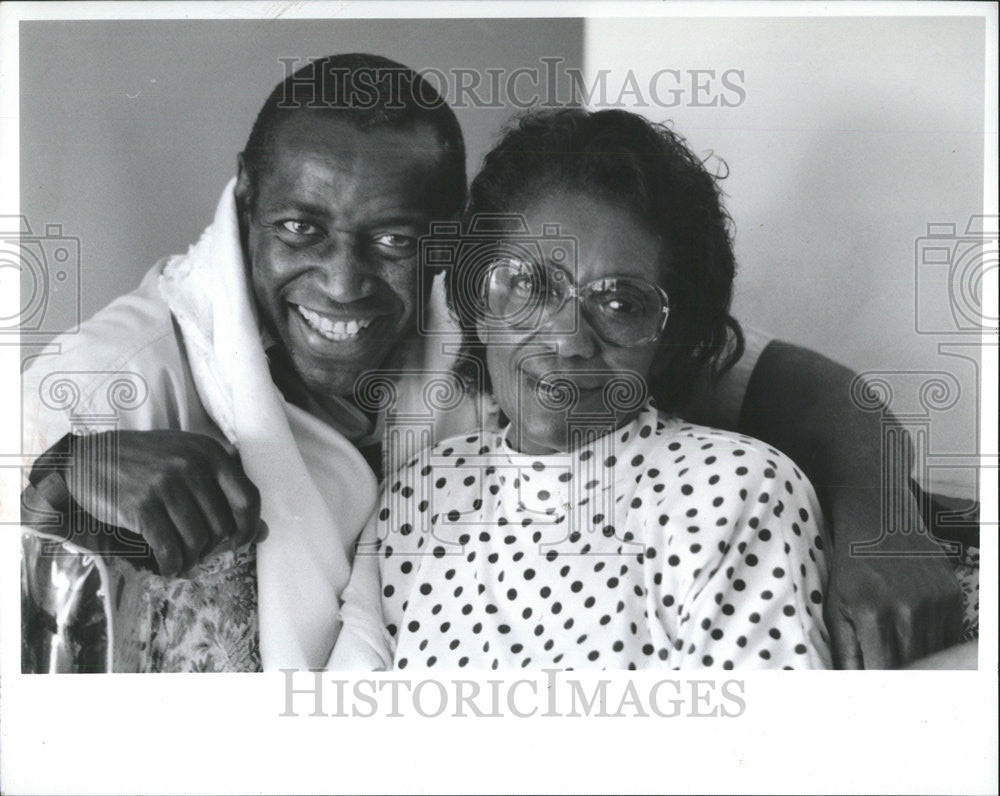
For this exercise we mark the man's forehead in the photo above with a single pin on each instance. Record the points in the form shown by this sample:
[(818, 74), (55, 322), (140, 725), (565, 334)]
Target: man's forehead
[(326, 133), (317, 157)]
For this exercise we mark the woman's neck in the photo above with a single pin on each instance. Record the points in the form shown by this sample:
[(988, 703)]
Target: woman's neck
[(519, 442)]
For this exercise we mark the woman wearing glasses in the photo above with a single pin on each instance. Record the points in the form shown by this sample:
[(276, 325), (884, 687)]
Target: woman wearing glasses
[(589, 526)]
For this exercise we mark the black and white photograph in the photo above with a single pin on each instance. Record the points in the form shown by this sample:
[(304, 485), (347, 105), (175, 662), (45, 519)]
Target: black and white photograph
[(550, 373)]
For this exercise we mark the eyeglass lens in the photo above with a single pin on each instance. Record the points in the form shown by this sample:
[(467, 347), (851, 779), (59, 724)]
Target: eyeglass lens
[(622, 310)]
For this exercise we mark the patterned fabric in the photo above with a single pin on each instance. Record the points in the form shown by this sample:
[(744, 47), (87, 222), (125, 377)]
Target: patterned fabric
[(206, 623), (661, 544), (967, 569)]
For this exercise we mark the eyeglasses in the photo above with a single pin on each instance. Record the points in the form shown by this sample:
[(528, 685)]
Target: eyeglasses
[(623, 311)]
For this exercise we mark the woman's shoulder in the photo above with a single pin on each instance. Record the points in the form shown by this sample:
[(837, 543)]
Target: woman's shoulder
[(473, 443), (453, 451), (678, 442), (481, 442)]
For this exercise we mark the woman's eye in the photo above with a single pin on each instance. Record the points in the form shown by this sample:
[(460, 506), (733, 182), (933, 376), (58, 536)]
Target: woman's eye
[(525, 284), (619, 305), (299, 227)]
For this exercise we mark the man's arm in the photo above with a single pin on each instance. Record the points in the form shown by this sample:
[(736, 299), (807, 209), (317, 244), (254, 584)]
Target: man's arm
[(181, 493), (882, 611), (148, 466)]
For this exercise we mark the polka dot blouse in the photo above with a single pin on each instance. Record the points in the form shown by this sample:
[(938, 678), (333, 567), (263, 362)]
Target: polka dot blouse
[(660, 544)]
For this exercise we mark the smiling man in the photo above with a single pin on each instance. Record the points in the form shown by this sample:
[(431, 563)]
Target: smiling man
[(332, 219), (242, 355)]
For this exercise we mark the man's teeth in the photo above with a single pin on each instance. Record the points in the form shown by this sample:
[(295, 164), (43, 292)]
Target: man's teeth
[(333, 330)]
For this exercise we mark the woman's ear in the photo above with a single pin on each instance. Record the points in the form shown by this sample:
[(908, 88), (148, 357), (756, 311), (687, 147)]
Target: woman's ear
[(481, 332)]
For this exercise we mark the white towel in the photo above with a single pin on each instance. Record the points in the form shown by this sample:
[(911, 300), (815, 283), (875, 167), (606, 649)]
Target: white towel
[(303, 565)]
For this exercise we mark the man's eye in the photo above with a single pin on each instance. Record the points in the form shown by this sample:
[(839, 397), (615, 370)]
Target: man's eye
[(299, 227), (396, 244)]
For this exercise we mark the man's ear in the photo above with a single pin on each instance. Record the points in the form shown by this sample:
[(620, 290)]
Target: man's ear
[(244, 189)]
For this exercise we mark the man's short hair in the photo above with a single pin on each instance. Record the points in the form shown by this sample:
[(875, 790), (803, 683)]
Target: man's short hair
[(368, 92)]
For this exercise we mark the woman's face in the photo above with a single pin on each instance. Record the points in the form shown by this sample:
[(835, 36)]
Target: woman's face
[(530, 363)]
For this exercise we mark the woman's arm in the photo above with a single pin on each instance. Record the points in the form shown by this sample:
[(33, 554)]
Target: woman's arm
[(754, 597), (363, 643), (882, 611)]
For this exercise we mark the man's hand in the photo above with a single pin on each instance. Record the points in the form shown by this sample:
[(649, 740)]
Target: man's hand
[(886, 611), (882, 611), (183, 493)]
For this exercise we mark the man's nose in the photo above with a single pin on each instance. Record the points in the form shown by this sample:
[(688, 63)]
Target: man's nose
[(570, 333), (346, 276)]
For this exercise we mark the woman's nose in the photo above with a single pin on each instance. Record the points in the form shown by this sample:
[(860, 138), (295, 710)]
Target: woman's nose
[(571, 334)]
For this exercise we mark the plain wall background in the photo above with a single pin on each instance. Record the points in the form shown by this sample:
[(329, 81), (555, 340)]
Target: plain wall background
[(853, 136), (130, 130)]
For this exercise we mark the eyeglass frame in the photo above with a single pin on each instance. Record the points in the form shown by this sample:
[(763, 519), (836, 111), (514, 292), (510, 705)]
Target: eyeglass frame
[(576, 292)]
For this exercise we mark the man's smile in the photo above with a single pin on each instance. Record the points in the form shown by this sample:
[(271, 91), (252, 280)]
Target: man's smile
[(344, 336), (336, 329)]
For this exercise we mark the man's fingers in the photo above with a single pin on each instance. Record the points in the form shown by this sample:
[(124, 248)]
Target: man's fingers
[(159, 533), (877, 634), (243, 497), (185, 493), (190, 524), (214, 505), (937, 625), (843, 637)]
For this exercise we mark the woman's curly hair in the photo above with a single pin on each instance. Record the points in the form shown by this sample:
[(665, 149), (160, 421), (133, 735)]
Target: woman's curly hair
[(647, 169)]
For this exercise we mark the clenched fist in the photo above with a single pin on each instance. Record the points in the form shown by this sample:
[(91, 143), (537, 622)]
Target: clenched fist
[(183, 493)]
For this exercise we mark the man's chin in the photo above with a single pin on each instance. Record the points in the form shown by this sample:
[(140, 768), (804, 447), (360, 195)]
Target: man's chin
[(334, 378)]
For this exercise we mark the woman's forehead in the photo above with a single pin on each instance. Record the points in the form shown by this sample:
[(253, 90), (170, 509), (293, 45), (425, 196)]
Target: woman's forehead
[(592, 236)]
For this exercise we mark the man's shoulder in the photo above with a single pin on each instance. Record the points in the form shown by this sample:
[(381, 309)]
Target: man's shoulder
[(127, 361), (133, 332)]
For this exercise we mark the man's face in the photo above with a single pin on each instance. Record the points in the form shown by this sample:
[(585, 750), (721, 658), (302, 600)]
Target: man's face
[(332, 233)]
